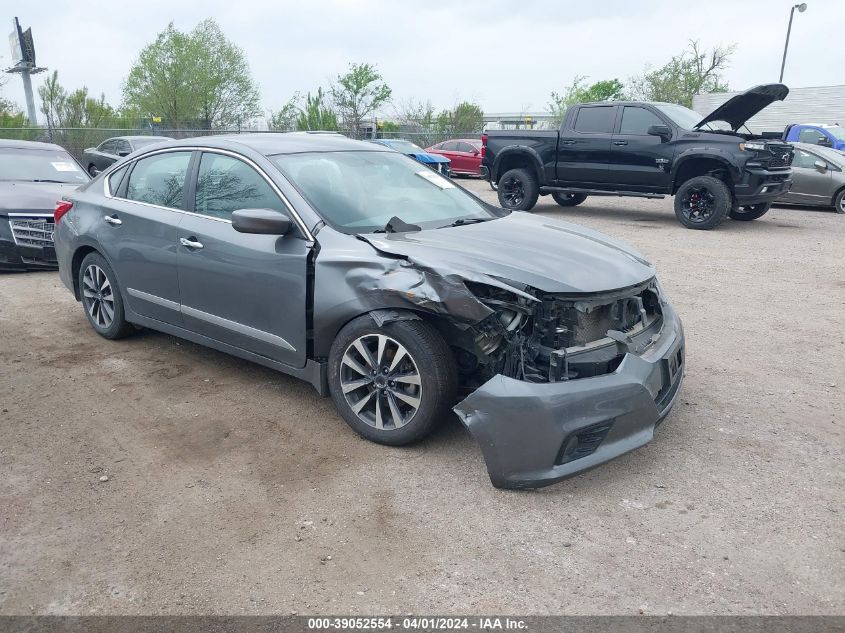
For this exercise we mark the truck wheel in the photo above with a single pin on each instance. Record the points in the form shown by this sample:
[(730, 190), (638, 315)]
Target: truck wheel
[(702, 203), (392, 383), (750, 212), (569, 199), (518, 190)]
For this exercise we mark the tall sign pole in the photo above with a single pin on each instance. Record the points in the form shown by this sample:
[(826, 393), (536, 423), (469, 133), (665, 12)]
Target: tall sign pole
[(23, 60)]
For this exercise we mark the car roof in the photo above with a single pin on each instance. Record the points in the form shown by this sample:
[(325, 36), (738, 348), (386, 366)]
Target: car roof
[(16, 144), (273, 143), (138, 137)]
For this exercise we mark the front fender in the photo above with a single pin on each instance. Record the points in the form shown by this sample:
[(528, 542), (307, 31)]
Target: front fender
[(727, 159)]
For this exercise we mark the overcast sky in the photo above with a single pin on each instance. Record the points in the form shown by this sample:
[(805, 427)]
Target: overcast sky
[(507, 55)]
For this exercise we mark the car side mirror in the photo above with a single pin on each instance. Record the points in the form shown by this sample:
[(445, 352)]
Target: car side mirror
[(820, 165), (123, 153), (663, 131), (261, 222)]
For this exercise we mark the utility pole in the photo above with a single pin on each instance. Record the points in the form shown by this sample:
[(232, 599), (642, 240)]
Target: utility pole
[(23, 58), (801, 8)]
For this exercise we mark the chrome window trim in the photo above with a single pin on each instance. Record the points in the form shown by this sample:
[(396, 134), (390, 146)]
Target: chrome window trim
[(214, 150), (24, 214)]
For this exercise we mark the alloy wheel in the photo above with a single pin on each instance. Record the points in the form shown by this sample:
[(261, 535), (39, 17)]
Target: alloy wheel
[(98, 296), (513, 191), (698, 204), (380, 381)]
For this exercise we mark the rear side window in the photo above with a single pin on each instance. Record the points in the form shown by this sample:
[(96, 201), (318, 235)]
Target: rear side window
[(465, 147), (595, 120), (638, 120), (159, 179), (115, 179), (226, 184), (449, 146)]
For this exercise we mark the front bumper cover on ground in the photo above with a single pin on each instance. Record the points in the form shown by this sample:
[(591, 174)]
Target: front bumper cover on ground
[(526, 429)]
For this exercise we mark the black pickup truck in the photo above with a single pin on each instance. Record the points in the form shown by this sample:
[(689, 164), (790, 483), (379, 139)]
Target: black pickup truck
[(647, 150)]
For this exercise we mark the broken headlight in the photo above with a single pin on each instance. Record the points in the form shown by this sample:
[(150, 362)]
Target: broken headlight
[(510, 313)]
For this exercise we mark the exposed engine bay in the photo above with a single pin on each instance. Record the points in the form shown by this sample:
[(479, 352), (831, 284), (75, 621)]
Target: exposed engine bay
[(556, 337)]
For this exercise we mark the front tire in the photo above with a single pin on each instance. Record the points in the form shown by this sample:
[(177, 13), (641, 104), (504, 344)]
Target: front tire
[(702, 203), (392, 384), (839, 203), (518, 190), (569, 199), (750, 212), (101, 298)]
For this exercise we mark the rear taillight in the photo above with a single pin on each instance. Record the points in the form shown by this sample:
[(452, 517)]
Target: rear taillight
[(483, 145), (62, 207)]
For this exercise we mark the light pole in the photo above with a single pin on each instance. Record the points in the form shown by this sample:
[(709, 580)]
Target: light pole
[(801, 8)]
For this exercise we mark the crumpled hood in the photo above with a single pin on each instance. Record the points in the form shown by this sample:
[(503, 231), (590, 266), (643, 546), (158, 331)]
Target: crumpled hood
[(739, 108), (547, 254), (32, 196), (429, 158)]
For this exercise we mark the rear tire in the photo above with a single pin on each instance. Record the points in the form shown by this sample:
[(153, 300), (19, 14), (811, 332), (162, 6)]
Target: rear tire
[(702, 203), (411, 390), (101, 298), (839, 203), (518, 190), (750, 212), (569, 199)]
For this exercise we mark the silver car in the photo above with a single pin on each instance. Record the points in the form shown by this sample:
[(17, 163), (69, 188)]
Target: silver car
[(386, 286), (818, 177)]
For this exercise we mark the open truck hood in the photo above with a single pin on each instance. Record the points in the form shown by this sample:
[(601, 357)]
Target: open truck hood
[(739, 108)]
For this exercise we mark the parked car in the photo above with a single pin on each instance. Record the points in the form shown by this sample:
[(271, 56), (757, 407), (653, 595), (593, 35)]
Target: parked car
[(464, 155), (648, 150), (818, 177), (386, 287), (832, 136), (439, 164), (33, 177), (96, 159)]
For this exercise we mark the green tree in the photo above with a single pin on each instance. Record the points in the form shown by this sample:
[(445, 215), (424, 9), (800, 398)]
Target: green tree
[(694, 71), (74, 109), (578, 92), (464, 118), (193, 79), (316, 113), (284, 119), (358, 94)]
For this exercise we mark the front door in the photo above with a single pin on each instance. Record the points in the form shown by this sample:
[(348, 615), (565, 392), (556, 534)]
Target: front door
[(639, 161), (810, 185), (245, 290), (583, 153), (138, 232)]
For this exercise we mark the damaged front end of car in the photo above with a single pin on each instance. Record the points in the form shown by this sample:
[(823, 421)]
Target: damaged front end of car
[(562, 383)]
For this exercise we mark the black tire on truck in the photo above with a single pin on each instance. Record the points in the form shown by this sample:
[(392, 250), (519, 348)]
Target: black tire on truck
[(518, 189), (702, 203), (750, 212), (569, 199)]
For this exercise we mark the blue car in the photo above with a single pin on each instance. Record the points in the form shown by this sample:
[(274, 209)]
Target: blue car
[(438, 163), (816, 134)]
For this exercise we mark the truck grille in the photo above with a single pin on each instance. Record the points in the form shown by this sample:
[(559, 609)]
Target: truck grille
[(32, 231), (781, 156)]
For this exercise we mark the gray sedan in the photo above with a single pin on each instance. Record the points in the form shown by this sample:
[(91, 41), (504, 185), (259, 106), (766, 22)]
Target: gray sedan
[(818, 177), (387, 287), (96, 159)]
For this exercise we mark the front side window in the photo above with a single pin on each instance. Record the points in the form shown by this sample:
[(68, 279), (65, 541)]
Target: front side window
[(595, 120), (226, 184), (637, 120), (159, 179), (465, 147), (810, 135), (449, 146), (360, 192), (40, 165)]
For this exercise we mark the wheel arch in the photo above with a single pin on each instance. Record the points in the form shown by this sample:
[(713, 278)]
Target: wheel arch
[(81, 251), (515, 157), (697, 164)]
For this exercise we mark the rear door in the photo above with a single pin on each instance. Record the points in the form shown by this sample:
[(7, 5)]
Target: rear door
[(137, 229), (639, 161), (583, 154), (248, 291), (809, 185)]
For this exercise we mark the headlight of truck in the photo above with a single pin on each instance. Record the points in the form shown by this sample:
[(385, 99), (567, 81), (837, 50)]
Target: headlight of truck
[(752, 146)]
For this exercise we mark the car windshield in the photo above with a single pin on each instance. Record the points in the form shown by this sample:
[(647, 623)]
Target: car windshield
[(39, 165), (360, 191), (685, 118), (406, 147)]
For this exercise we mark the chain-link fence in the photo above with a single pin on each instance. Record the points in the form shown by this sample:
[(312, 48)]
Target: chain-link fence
[(76, 140)]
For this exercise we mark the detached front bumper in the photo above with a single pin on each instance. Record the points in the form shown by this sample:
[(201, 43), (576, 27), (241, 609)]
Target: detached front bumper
[(535, 434), (761, 185)]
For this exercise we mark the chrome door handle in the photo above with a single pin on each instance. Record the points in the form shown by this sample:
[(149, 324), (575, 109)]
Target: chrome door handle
[(114, 221), (567, 142), (184, 241), (620, 142)]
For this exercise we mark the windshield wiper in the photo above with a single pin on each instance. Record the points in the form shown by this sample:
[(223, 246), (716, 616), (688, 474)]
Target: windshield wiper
[(462, 221), (61, 182), (398, 225)]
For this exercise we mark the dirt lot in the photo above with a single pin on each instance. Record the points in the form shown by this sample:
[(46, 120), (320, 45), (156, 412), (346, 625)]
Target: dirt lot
[(233, 489)]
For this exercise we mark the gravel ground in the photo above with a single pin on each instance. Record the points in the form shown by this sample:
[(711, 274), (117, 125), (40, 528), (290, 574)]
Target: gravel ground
[(233, 489)]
